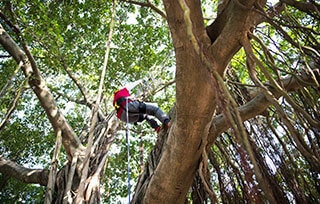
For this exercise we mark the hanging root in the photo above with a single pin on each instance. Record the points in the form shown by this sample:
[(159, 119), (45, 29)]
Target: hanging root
[(203, 166)]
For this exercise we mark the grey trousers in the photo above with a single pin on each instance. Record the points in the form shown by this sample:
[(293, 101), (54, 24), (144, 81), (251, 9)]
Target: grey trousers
[(135, 114)]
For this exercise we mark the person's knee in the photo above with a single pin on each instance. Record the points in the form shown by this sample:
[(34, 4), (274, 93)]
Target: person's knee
[(152, 109)]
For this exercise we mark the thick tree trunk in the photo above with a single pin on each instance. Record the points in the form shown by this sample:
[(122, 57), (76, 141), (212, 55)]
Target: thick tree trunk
[(195, 101), (194, 94)]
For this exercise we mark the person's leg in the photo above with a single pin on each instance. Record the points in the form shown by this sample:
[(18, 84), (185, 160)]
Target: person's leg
[(157, 112), (139, 111), (153, 123)]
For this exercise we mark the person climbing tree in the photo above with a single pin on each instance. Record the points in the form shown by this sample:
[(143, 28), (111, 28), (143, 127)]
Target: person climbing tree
[(138, 111)]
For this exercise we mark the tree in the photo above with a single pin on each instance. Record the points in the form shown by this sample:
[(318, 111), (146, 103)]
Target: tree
[(245, 125)]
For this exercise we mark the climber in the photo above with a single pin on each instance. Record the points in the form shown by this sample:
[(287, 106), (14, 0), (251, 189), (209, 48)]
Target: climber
[(137, 110)]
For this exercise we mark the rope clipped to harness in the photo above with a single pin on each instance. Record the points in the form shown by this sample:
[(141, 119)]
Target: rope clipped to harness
[(128, 148)]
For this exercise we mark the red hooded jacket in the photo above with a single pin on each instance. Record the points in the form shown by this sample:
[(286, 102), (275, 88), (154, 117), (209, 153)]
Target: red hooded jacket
[(120, 94)]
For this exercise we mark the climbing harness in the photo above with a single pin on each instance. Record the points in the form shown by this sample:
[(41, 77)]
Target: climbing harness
[(121, 102), (128, 147)]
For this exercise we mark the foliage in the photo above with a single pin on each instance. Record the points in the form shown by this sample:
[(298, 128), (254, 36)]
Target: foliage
[(68, 41), (15, 191), (70, 37)]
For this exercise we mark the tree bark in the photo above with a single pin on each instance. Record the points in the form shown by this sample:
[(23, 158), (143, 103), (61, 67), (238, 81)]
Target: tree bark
[(27, 175), (259, 102), (185, 142), (195, 102)]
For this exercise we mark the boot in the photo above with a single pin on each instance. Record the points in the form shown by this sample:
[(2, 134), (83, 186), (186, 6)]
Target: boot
[(166, 123), (153, 124)]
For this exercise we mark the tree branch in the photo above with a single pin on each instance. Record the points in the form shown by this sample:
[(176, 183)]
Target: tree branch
[(53, 169), (26, 175), (13, 104), (259, 103), (310, 7), (70, 141), (74, 79), (148, 5)]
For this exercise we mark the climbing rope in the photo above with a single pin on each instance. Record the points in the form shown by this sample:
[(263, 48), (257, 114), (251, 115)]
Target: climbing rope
[(128, 147)]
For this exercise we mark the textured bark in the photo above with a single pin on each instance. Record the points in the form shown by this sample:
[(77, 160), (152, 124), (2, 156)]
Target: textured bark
[(309, 7), (194, 89), (195, 101), (27, 175), (259, 102), (219, 124), (185, 144), (150, 166)]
